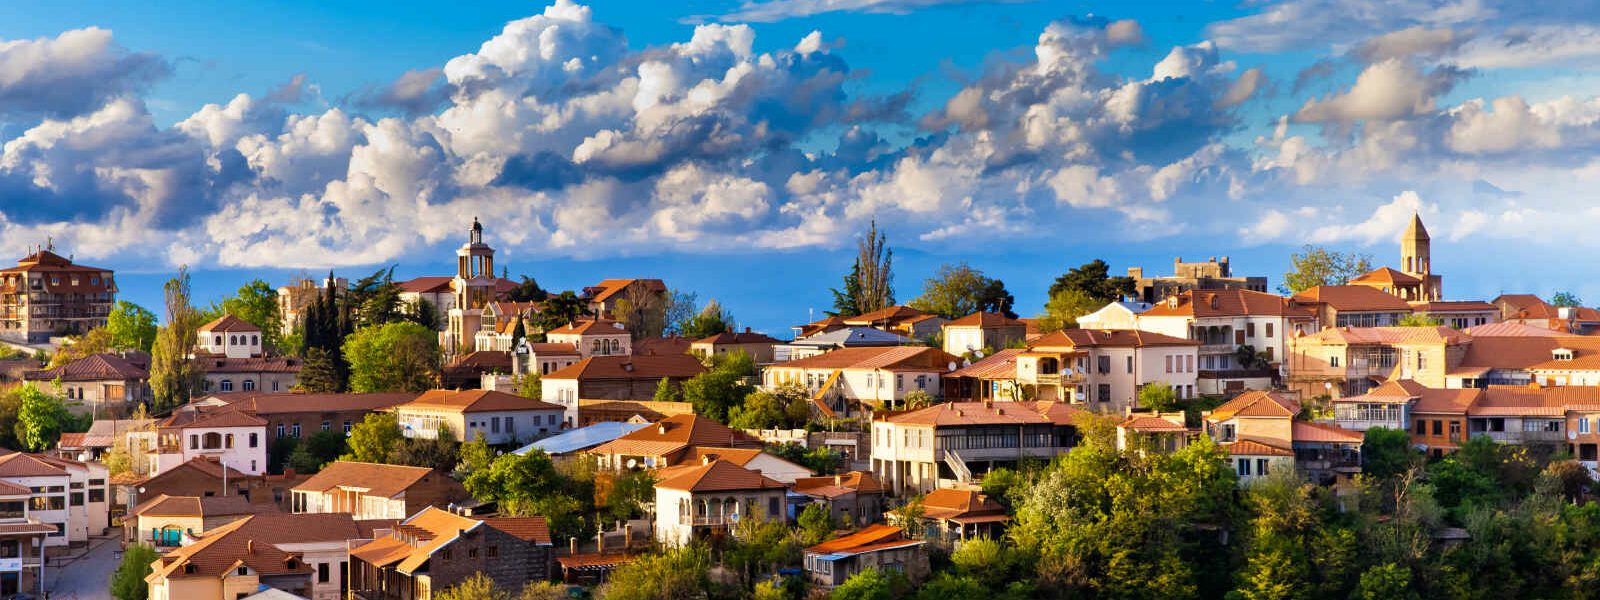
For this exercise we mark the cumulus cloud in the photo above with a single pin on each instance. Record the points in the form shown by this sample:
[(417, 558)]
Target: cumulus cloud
[(70, 74), (768, 11), (1387, 90)]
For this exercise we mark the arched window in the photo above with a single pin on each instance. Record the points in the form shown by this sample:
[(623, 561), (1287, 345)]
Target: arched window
[(255, 340), (211, 441), (227, 385), (227, 441), (249, 384), (597, 348), (218, 342), (233, 340)]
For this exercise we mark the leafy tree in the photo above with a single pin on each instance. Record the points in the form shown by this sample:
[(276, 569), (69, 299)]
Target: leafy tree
[(1565, 299), (476, 455), (1314, 266), (1094, 279), (441, 452), (680, 572), (958, 290), (530, 385), (1157, 396), (643, 311), (1385, 582), (515, 480), (173, 376), (711, 320), (317, 450), (94, 341), (556, 311), (787, 406), (666, 391), (681, 308), (629, 493), (946, 585), (543, 590), (118, 460), (917, 399), (716, 392), (319, 373), (1386, 453), (761, 545), (989, 562), (1249, 358), (374, 438), (257, 303), (127, 582), (132, 327), (870, 284), (1064, 308), (393, 357), (424, 313), (872, 584), (527, 290), (819, 460), (475, 587), (40, 420), (816, 523)]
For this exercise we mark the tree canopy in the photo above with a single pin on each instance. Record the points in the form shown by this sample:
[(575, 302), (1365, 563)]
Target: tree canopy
[(716, 392), (132, 327), (958, 290), (1094, 280), (1315, 265), (870, 284), (256, 302), (393, 357), (1064, 308), (1565, 299), (712, 319), (173, 376)]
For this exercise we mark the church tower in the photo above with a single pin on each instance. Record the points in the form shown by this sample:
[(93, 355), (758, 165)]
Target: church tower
[(1416, 259), (473, 286)]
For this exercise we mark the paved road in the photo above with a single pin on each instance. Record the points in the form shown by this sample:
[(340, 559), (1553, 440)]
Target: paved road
[(86, 577)]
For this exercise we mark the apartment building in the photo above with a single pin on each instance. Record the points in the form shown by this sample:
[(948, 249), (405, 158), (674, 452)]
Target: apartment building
[(1104, 369), (1350, 361), (1244, 335), (982, 331), (46, 296), (955, 443), (69, 496), (847, 381)]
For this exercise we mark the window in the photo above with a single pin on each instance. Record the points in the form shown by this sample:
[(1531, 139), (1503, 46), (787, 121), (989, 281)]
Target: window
[(1130, 364), (494, 551), (1438, 427), (1269, 330), (1422, 361), (255, 340), (1250, 329), (243, 571), (1169, 363), (326, 425), (1188, 362), (77, 498), (1244, 467), (218, 341), (511, 425), (295, 430), (97, 495), (211, 441), (1104, 392), (1422, 427), (772, 506), (445, 555), (472, 552), (323, 574), (280, 430), (1105, 364), (494, 424), (194, 441), (347, 427), (1333, 361), (1261, 466), (249, 385), (1583, 425), (274, 385), (227, 441), (227, 385), (254, 440)]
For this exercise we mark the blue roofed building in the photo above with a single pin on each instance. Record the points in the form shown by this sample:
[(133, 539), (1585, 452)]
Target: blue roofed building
[(582, 438)]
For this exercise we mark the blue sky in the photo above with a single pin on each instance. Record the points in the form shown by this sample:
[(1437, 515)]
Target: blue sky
[(736, 148)]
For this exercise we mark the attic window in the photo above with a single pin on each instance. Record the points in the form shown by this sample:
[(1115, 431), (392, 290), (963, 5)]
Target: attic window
[(1561, 354), (243, 570), (188, 569)]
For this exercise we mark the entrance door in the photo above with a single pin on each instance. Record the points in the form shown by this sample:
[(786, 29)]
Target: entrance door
[(9, 583)]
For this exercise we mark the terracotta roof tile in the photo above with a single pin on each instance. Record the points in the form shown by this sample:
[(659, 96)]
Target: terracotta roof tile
[(271, 403), (833, 486), (985, 320), (1000, 365), (477, 401), (891, 314), (528, 529), (1510, 329), (432, 284), (230, 323), (868, 539), (254, 541), (384, 481), (675, 433), (743, 337), (631, 367), (888, 358), (1148, 424), (1353, 298), (718, 476), (1304, 431), (198, 506), (950, 503), (1387, 275), (1391, 335), (95, 367), (22, 464), (1227, 303), (607, 288), (1107, 338), (590, 327), (1249, 447), (955, 414), (1256, 403)]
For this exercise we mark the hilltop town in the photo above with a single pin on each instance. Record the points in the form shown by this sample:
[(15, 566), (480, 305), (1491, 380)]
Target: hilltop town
[(475, 436)]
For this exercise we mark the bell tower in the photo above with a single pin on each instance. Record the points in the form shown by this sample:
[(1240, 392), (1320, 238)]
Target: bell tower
[(473, 287), (1414, 248)]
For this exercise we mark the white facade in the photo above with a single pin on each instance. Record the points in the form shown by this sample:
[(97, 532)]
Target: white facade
[(1116, 315), (777, 468), (497, 427), (565, 393), (595, 342), (232, 344), (959, 340), (878, 385), (327, 561), (679, 512), (242, 448), (75, 501)]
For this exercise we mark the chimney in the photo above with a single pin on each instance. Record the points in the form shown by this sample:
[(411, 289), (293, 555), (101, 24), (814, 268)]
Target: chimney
[(627, 536), (600, 540), (661, 428), (572, 544), (249, 546)]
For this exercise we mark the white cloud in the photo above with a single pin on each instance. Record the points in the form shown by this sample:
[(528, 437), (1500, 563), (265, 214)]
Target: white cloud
[(769, 11), (1388, 90)]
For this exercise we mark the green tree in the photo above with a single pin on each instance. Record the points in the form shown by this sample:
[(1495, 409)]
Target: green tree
[(476, 455), (515, 481), (1094, 280), (393, 357), (989, 562), (40, 420), (475, 587), (132, 327), (680, 572), (530, 385), (716, 392), (1565, 299), (1386, 453), (441, 452), (374, 438), (1314, 266), (317, 450), (556, 311), (946, 586), (1418, 320), (666, 391), (628, 495), (1385, 582), (1157, 396), (643, 311), (870, 284), (527, 290), (173, 376), (787, 406), (872, 584), (257, 303), (958, 290), (816, 523), (93, 341), (1064, 308), (319, 373), (711, 320), (127, 582)]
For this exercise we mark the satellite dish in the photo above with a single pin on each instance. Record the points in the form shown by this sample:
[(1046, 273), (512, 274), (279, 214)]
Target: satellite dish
[(1572, 435), (977, 353), (951, 366), (633, 463)]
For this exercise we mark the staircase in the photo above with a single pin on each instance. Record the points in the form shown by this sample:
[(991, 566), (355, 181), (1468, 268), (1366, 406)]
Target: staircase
[(958, 466)]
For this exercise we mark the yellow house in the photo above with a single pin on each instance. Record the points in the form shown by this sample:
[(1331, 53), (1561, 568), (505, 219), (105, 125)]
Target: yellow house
[(297, 553)]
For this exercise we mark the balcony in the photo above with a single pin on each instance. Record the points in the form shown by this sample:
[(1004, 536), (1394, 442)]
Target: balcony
[(1236, 373), (1217, 348)]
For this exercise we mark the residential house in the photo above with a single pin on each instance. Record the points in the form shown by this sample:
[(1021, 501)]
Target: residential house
[(694, 501), (375, 491), (203, 477), (615, 378), (956, 443), (499, 325), (952, 515), (1353, 306), (434, 550), (233, 437), (301, 414), (435, 290), (468, 371), (22, 542), (669, 442), (295, 298), (982, 331), (1528, 309), (835, 339), (758, 346), (98, 382), (1439, 419), (832, 562), (231, 337), (1243, 334), (1349, 361), (1104, 369), (500, 417), (1213, 274), (1262, 434), (68, 495), (1156, 432), (670, 345), (843, 380), (303, 554), (902, 320), (592, 412), (853, 497), (1458, 314), (1387, 406), (593, 337), (1121, 314), (604, 296), (994, 377), (46, 296), (166, 522), (263, 373), (750, 458), (103, 434), (542, 358)]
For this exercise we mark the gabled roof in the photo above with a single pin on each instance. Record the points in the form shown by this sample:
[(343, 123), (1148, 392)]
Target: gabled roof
[(95, 367), (1528, 353), (476, 401), (199, 464), (230, 324), (432, 284), (271, 403), (871, 538), (955, 414), (892, 314), (631, 367), (985, 320), (1252, 447), (677, 432), (833, 486), (1353, 298), (607, 288), (199, 506), (590, 327), (1535, 401), (718, 476), (847, 337), (23, 464), (1394, 391), (254, 542), (1511, 329), (383, 481), (1306, 431), (1148, 424), (216, 363), (219, 417), (1000, 365), (551, 349), (743, 337), (1390, 335), (955, 504), (1227, 303), (887, 358), (1108, 338), (1452, 306), (1256, 403), (1386, 275), (662, 346), (1445, 401)]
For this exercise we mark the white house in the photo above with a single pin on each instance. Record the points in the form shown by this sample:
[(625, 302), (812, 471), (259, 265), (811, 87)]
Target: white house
[(981, 330), (842, 379), (593, 337), (230, 336), (235, 438), (502, 418), (1223, 321), (694, 501), (66, 494), (1104, 369), (1115, 315)]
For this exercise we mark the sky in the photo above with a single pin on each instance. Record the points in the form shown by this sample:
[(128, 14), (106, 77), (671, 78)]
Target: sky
[(738, 149)]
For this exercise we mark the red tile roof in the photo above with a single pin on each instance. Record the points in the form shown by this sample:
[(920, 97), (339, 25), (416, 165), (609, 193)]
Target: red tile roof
[(254, 541), (892, 314), (871, 538), (1256, 403), (1305, 431), (718, 476), (675, 433), (743, 337), (833, 486), (383, 481), (1250, 447), (607, 288), (227, 416), (1000, 365), (22, 464), (95, 367), (1148, 424), (477, 401), (1227, 303), (216, 363), (199, 506), (1390, 335), (955, 414), (952, 504), (1511, 329), (1107, 338), (1445, 401), (1454, 306), (985, 320), (590, 327), (631, 367), (271, 403), (1353, 298), (887, 358), (229, 323), (1387, 275), (425, 285)]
